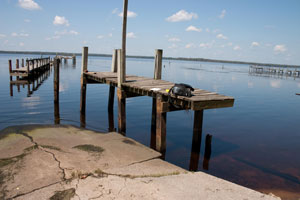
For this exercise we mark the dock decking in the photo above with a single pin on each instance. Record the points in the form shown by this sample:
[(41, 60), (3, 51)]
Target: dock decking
[(143, 86)]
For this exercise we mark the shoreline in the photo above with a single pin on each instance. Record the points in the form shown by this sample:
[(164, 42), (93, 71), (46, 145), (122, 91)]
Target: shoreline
[(152, 57)]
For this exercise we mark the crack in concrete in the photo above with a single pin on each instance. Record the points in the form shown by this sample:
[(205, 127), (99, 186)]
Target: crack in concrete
[(142, 161), (34, 190), (124, 185), (76, 189), (49, 152)]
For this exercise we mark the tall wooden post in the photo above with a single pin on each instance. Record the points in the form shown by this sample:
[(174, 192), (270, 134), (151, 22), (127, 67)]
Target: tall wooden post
[(22, 62), (207, 152), (196, 143), (10, 69), (123, 60), (56, 81), (111, 97), (157, 76), (83, 80), (161, 122)]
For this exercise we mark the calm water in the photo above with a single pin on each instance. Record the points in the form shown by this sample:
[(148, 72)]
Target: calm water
[(256, 143)]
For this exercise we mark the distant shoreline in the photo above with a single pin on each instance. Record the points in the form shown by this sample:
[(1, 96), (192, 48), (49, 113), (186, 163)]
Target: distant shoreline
[(151, 57)]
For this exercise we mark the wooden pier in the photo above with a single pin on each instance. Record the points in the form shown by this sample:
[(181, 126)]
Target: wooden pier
[(129, 86), (32, 74), (31, 67)]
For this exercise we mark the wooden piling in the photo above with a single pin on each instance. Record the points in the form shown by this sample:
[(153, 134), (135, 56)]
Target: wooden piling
[(124, 38), (56, 81), (10, 69), (196, 143), (111, 95), (158, 64), (74, 59), (121, 70), (161, 129), (121, 111), (22, 62), (207, 152), (157, 76), (83, 80)]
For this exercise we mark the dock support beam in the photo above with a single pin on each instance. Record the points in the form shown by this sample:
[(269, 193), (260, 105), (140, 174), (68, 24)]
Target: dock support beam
[(114, 66), (196, 143), (56, 91), (161, 122), (157, 76), (10, 69), (83, 84)]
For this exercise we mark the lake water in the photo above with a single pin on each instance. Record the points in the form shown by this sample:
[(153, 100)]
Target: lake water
[(256, 143)]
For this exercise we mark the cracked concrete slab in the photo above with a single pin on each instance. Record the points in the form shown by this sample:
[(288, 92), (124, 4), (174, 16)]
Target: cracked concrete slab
[(49, 161)]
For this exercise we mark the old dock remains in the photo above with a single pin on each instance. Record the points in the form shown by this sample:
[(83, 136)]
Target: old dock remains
[(129, 86)]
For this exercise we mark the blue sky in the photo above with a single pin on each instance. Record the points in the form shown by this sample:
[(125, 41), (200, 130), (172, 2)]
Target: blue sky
[(247, 30)]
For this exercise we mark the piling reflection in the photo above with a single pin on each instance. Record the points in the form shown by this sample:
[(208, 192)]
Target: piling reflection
[(111, 124), (195, 152), (33, 83)]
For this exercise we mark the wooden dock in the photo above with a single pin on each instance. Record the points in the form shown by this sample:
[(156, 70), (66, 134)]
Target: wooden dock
[(31, 67), (32, 74), (129, 86)]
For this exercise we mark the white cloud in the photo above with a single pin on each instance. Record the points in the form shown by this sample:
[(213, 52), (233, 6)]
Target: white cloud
[(2, 36), (14, 34), (23, 34), (221, 36), (55, 37), (130, 14), (131, 35), (182, 15), (193, 28), (27, 20), (21, 44), (65, 32), (29, 5), (189, 45), (174, 39), (173, 46), (280, 48), (236, 48), (115, 11), (100, 36), (255, 44), (110, 35), (222, 15), (58, 20), (207, 45)]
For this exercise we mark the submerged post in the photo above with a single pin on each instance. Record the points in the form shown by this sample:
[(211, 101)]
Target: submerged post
[(10, 69), (111, 97), (83, 80), (207, 152), (196, 143), (161, 128), (157, 76), (56, 81)]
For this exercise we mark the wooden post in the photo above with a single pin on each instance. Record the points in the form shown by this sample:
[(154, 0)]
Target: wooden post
[(27, 65), (83, 80), (161, 129), (74, 59), (207, 152), (10, 69), (196, 143), (111, 96), (22, 62), (158, 64), (56, 81), (121, 111), (157, 76), (121, 71), (124, 39)]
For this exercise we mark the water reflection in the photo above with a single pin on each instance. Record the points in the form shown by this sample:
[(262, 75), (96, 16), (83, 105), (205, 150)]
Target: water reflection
[(33, 83)]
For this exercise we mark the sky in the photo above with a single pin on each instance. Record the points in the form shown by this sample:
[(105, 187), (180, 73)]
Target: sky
[(246, 30)]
